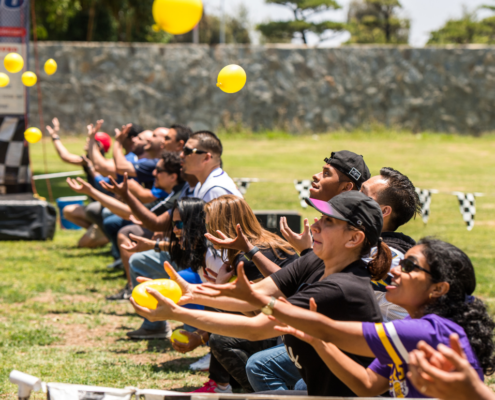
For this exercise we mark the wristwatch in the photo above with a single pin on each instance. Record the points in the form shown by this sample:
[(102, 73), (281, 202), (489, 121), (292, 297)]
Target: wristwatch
[(250, 254), (268, 309), (157, 246)]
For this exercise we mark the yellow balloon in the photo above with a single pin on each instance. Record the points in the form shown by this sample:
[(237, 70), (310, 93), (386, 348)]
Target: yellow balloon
[(179, 337), (4, 80), (177, 16), (29, 78), (33, 135), (51, 66), (13, 63), (231, 79), (233, 279), (166, 287)]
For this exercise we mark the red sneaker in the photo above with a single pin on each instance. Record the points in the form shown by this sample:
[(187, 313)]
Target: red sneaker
[(212, 387)]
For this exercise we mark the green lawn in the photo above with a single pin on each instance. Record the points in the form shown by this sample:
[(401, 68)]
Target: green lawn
[(55, 323)]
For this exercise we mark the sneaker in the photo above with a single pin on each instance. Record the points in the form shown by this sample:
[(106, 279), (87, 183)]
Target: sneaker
[(116, 264), (203, 364), (145, 334), (124, 295), (212, 387)]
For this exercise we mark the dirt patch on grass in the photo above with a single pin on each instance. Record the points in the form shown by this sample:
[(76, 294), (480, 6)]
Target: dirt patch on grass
[(49, 297)]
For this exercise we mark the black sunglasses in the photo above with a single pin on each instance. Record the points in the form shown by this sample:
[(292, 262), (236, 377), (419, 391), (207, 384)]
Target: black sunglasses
[(179, 224), (408, 266), (160, 170), (188, 151)]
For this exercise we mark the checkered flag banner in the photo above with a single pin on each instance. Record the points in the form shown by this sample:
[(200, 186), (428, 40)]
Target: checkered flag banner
[(302, 188), (14, 156), (467, 205), (243, 183), (425, 201)]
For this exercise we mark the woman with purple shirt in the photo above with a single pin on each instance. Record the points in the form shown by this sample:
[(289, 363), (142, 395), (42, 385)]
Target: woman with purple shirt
[(434, 283)]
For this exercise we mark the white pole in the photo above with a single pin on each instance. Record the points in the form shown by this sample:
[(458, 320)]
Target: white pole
[(222, 24)]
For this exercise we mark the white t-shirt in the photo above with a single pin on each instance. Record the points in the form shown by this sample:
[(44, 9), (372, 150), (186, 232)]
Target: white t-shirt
[(218, 183)]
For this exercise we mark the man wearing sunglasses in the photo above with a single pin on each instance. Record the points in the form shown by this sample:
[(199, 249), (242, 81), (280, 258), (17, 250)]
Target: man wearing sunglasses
[(202, 157)]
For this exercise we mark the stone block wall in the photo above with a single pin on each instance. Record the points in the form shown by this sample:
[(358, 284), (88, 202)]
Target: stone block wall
[(289, 87)]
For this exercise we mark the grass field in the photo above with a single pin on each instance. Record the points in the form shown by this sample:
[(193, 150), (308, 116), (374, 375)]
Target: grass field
[(55, 323)]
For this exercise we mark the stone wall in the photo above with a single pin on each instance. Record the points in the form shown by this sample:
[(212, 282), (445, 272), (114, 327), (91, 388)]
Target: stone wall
[(289, 87)]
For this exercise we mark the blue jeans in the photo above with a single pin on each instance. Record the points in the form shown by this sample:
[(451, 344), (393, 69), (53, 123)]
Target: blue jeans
[(112, 224), (272, 369), (149, 264)]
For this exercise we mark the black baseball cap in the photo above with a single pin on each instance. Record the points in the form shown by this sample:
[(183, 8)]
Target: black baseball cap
[(357, 209), (351, 165)]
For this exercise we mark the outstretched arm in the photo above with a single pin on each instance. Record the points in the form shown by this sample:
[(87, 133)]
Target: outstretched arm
[(122, 165), (64, 154), (241, 242), (115, 206), (362, 381), (102, 165), (144, 195)]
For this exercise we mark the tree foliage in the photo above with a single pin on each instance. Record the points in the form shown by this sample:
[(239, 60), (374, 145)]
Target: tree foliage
[(377, 21), (466, 30), (302, 24), (123, 20)]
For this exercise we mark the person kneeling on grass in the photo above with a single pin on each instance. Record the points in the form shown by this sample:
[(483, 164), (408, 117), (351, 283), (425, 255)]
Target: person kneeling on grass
[(434, 283), (342, 236)]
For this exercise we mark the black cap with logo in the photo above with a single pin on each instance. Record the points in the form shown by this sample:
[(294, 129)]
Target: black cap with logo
[(355, 208), (350, 164)]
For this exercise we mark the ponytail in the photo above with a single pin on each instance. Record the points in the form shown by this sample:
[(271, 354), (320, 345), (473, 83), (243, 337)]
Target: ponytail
[(380, 264)]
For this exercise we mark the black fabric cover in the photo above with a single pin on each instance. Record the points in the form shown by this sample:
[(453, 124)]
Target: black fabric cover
[(26, 219)]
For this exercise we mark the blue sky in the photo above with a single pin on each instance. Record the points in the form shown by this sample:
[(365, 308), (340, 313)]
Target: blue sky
[(426, 15)]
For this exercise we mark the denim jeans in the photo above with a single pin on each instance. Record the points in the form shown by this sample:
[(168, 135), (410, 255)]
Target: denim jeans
[(149, 264), (112, 224), (272, 369)]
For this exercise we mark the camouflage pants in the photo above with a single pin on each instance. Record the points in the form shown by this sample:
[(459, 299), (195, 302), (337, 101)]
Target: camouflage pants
[(232, 354)]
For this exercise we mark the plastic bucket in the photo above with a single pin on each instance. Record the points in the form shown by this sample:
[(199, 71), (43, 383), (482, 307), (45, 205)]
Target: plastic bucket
[(62, 202)]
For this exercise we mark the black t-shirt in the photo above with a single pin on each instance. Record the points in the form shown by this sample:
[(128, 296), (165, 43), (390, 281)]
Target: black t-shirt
[(343, 296), (253, 273)]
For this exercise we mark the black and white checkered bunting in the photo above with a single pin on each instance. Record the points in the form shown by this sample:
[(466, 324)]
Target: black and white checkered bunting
[(14, 156), (467, 206), (243, 184), (425, 201), (302, 188)]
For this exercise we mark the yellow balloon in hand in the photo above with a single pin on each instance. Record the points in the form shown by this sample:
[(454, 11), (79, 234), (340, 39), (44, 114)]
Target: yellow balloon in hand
[(231, 79), (4, 80), (166, 287), (33, 135), (233, 279), (13, 63), (177, 16), (29, 78), (51, 66), (179, 337)]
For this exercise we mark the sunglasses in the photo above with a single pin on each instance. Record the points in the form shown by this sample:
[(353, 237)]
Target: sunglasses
[(179, 224), (188, 151), (408, 266), (160, 170)]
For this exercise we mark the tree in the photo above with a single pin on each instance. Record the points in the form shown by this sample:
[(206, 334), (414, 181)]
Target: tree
[(377, 21), (466, 30), (301, 25)]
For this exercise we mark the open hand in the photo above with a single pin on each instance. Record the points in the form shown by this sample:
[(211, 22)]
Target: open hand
[(116, 188), (138, 244), (164, 311), (56, 128), (222, 276), (240, 242), (80, 186), (187, 288), (300, 241), (94, 129), (121, 135)]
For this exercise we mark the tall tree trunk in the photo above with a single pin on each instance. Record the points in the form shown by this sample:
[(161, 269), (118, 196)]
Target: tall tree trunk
[(91, 21)]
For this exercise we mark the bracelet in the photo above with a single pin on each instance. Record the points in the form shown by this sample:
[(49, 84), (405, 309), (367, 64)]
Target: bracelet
[(201, 337), (55, 138), (250, 254)]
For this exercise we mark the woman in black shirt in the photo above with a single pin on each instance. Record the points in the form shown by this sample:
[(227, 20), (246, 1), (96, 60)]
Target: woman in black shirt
[(348, 229)]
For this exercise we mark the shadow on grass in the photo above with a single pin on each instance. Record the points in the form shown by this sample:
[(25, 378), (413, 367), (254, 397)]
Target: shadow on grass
[(81, 253)]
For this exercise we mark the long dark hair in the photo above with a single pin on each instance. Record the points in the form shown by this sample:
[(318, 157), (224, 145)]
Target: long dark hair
[(450, 264), (190, 251)]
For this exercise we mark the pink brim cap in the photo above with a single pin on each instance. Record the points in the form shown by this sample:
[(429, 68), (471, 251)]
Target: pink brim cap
[(326, 209)]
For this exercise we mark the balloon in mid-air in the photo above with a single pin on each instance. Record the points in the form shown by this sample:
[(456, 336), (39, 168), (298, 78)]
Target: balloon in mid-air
[(29, 78), (231, 79), (177, 16), (33, 135), (179, 337), (166, 287), (13, 62), (50, 66), (4, 80)]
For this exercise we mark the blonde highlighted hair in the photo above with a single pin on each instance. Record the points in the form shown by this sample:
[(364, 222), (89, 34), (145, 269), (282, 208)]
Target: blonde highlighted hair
[(225, 212)]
